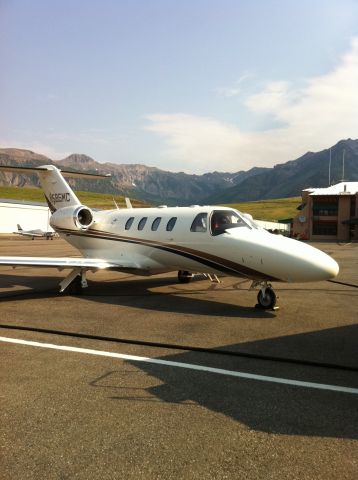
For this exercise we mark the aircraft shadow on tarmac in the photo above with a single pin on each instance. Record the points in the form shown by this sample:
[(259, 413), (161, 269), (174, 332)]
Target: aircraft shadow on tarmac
[(133, 291), (262, 406), (137, 293)]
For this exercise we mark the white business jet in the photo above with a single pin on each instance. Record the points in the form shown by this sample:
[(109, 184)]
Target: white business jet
[(145, 241), (36, 233)]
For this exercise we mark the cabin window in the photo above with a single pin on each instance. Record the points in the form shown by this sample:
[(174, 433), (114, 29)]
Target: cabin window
[(222, 220), (200, 223), (156, 223), (142, 223), (171, 223), (129, 223)]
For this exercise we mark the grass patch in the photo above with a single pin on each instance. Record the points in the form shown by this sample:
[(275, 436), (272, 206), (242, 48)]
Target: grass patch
[(270, 210), (94, 200)]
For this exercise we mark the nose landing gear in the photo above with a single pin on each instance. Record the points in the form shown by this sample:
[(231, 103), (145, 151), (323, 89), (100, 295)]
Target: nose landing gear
[(266, 296)]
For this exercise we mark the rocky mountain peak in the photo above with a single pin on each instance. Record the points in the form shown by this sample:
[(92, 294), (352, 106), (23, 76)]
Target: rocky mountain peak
[(159, 186)]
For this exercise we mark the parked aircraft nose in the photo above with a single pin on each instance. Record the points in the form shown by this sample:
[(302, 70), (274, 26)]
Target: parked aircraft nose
[(294, 261), (309, 264), (325, 268), (284, 258), (332, 268)]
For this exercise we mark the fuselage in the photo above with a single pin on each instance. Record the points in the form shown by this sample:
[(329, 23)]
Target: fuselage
[(154, 240)]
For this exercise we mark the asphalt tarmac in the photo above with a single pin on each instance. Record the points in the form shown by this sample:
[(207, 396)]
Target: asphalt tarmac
[(282, 402)]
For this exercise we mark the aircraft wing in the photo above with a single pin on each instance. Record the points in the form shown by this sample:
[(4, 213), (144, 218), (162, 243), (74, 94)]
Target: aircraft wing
[(29, 234), (66, 262)]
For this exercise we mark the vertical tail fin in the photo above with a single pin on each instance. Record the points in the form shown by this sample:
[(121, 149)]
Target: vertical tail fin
[(57, 191)]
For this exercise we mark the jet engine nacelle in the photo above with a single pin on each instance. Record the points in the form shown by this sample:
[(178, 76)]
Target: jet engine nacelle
[(77, 216)]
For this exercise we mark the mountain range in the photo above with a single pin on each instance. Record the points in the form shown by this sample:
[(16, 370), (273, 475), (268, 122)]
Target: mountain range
[(158, 186)]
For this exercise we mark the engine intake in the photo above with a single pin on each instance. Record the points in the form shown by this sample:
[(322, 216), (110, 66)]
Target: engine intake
[(83, 217), (78, 216)]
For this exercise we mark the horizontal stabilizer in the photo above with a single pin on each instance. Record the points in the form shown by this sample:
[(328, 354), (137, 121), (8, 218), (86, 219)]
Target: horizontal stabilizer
[(66, 173), (58, 192)]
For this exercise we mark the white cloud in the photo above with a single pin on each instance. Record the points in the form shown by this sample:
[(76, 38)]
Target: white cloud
[(313, 117), (228, 92), (236, 89), (196, 143), (274, 98)]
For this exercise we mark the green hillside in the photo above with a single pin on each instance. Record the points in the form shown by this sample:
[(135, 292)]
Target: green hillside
[(270, 210), (93, 200), (262, 210)]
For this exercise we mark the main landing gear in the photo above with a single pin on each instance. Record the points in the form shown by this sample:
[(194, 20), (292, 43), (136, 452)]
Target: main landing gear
[(185, 276), (75, 282), (266, 296)]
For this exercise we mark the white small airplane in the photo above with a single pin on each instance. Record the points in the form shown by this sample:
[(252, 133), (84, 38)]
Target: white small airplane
[(38, 233), (145, 241)]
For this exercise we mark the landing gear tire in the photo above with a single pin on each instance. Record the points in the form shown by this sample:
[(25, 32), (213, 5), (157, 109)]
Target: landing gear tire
[(184, 276), (268, 299)]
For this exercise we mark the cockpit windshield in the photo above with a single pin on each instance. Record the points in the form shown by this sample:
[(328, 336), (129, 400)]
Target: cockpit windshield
[(222, 220), (248, 218)]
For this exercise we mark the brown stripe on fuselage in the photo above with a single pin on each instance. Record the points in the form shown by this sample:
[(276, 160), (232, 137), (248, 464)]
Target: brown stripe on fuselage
[(219, 263)]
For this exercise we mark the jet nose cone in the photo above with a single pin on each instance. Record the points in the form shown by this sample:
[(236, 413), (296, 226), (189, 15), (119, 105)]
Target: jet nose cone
[(306, 263), (323, 267), (331, 268)]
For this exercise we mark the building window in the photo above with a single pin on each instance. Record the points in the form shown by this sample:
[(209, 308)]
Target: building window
[(200, 223), (129, 223), (325, 207), (171, 223), (322, 210), (324, 228), (156, 223), (142, 223)]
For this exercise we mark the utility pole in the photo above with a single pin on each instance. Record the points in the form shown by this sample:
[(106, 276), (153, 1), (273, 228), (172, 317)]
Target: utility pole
[(329, 167), (344, 153)]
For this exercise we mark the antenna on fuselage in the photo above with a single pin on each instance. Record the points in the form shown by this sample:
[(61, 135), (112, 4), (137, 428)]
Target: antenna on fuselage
[(128, 202), (117, 207)]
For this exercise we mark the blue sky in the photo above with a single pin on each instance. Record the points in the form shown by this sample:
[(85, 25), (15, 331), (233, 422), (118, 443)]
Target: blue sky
[(182, 85)]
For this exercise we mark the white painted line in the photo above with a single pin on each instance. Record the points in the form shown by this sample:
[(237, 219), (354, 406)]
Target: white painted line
[(202, 368)]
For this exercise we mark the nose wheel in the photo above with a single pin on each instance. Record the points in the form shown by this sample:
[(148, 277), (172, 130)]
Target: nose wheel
[(267, 298)]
